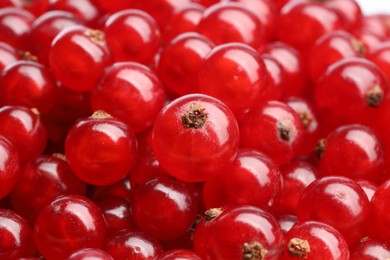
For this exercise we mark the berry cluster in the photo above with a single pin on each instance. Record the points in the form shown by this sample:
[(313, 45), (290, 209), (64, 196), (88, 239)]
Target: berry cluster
[(194, 129)]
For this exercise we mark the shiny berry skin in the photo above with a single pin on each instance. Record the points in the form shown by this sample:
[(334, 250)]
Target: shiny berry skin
[(185, 20), (85, 10), (117, 214), (368, 187), (131, 92), (352, 151), (29, 84), (89, 254), (177, 254), (118, 190), (100, 150), (349, 11), (301, 23), (68, 223), (339, 202), (75, 73), (42, 179), (286, 222), (16, 36), (8, 55), (127, 244), (380, 56), (252, 179), (16, 236), (370, 249), (23, 128), (315, 240), (164, 208), (45, 28), (380, 217), (180, 62), (292, 63), (274, 129), (9, 167), (332, 47), (132, 35), (114, 6), (235, 74), (194, 137), (244, 232), (36, 7), (369, 39), (277, 80), (297, 175), (350, 91), (231, 22)]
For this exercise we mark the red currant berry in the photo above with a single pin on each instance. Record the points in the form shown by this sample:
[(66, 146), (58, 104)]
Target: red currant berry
[(118, 190), (29, 84), (88, 254), (380, 217), (350, 91), (45, 28), (100, 150), (8, 55), (369, 39), (68, 223), (22, 127), (75, 73), (231, 22), (127, 244), (36, 7), (380, 56), (349, 11), (277, 80), (16, 236), (297, 175), (177, 254), (132, 35), (164, 208), (194, 137), (370, 249), (180, 62), (85, 10), (41, 181), (301, 23), (252, 179), (131, 92), (15, 26), (9, 170), (114, 6), (338, 202), (235, 74), (368, 187), (274, 129), (286, 222), (376, 24), (315, 240)]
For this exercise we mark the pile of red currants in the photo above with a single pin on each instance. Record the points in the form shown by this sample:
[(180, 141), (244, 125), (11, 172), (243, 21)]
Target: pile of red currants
[(194, 129)]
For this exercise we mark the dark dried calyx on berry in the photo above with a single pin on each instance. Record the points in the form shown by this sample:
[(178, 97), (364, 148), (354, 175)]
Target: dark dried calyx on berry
[(298, 247), (320, 148), (96, 36), (285, 131), (254, 251), (195, 117), (211, 214), (100, 114), (374, 96)]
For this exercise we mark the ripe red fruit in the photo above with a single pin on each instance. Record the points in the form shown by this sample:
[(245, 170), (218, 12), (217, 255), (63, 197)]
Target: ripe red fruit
[(9, 170), (194, 137), (8, 55), (380, 216), (85, 10), (89, 253), (100, 150)]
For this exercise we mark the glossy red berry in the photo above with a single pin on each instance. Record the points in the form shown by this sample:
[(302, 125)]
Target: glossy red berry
[(41, 181), (368, 187), (67, 224), (315, 240), (132, 245), (277, 80), (15, 26), (350, 91), (8, 55), (85, 10), (352, 151), (28, 84), (9, 167), (16, 236), (164, 208), (380, 217), (349, 11), (286, 222), (118, 190), (68, 46), (339, 202), (176, 254), (36, 7), (132, 35), (252, 179), (114, 6), (45, 28), (194, 137), (180, 62), (274, 129), (380, 56), (231, 22), (23, 128), (89, 253), (131, 92), (369, 39), (235, 74), (100, 150), (370, 249)]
